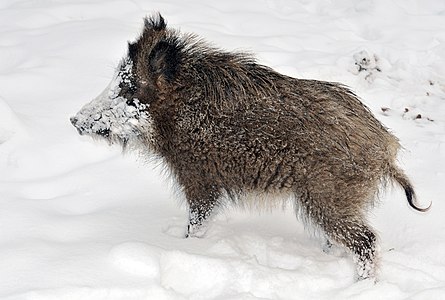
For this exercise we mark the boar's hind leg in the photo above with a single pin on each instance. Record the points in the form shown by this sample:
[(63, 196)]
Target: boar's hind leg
[(201, 203), (360, 240), (344, 227)]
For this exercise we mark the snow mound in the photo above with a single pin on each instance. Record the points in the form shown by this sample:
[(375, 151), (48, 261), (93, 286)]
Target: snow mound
[(136, 258), (208, 277)]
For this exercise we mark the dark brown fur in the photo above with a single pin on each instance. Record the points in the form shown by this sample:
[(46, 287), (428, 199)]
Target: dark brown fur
[(228, 126)]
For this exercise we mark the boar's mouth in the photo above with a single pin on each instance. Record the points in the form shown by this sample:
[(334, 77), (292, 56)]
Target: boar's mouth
[(82, 130), (104, 132), (115, 121)]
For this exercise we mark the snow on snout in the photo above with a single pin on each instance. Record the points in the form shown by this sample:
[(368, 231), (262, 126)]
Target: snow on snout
[(110, 115)]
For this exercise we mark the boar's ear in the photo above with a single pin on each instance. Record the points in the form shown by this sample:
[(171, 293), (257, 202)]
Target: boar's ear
[(155, 22), (164, 60)]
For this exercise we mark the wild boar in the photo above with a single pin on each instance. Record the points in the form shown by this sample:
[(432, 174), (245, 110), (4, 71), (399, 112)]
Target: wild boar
[(227, 127)]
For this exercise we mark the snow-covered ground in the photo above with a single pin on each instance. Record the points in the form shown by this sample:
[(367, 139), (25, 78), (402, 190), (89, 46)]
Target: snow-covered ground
[(80, 221)]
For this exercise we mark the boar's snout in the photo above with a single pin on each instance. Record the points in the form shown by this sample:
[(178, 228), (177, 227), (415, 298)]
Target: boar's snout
[(74, 122)]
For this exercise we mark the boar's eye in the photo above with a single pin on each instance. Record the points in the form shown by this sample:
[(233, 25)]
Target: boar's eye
[(127, 84), (127, 91)]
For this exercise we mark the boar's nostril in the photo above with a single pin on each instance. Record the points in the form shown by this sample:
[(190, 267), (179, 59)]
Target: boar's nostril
[(73, 120)]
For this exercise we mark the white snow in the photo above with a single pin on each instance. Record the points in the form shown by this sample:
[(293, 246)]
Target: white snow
[(81, 221)]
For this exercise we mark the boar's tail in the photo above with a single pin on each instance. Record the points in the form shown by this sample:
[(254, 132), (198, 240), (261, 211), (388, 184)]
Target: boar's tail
[(399, 176)]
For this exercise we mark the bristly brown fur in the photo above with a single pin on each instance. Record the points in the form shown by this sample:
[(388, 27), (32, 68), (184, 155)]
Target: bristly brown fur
[(226, 125)]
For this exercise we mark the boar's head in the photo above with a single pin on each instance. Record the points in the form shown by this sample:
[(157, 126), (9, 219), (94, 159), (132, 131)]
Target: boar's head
[(122, 113)]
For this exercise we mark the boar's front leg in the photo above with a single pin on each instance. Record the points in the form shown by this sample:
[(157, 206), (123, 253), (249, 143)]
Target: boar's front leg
[(201, 200)]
